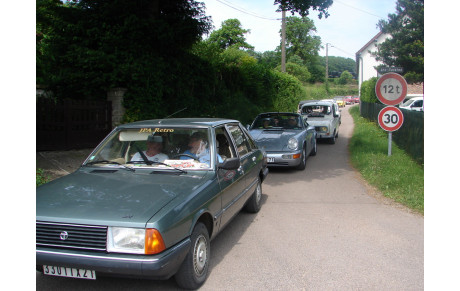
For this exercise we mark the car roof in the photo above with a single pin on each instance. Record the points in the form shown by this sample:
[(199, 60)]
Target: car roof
[(318, 103), (187, 122), (279, 113)]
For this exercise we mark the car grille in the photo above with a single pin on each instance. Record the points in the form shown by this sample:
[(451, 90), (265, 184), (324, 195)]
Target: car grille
[(71, 236)]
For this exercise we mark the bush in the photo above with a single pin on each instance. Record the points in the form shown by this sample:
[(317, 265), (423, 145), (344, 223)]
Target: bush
[(368, 91), (41, 178)]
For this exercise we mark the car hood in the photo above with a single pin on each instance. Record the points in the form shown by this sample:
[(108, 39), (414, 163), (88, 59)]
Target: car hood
[(111, 198), (273, 139)]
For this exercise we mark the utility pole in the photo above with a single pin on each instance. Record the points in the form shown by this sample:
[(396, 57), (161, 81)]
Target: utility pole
[(327, 62), (283, 41)]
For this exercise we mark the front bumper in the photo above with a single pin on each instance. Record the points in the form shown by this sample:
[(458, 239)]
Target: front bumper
[(284, 159), (158, 267)]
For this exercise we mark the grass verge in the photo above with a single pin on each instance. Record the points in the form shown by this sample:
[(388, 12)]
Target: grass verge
[(397, 176), (41, 178)]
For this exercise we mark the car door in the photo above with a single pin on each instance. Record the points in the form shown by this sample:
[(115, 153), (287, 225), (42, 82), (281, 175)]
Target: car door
[(232, 182), (236, 193)]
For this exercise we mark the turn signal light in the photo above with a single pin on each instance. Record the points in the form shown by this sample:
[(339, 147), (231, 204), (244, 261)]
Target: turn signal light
[(296, 156), (154, 243)]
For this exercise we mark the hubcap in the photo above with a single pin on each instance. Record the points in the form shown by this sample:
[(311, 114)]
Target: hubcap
[(258, 193), (200, 255)]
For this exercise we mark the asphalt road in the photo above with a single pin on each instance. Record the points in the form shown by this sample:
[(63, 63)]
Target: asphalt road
[(319, 229)]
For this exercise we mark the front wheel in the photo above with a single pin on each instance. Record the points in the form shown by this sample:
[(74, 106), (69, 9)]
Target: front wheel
[(303, 159), (315, 149), (194, 270)]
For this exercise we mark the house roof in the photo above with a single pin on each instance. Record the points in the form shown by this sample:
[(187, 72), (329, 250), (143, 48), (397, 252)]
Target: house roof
[(368, 44)]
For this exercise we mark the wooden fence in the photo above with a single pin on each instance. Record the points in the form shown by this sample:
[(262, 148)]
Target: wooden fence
[(72, 124)]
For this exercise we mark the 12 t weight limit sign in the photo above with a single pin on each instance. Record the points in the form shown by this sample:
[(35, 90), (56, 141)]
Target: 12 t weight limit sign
[(391, 89), (390, 118)]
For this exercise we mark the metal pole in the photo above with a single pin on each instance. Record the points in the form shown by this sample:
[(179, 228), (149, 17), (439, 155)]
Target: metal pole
[(327, 63), (389, 143)]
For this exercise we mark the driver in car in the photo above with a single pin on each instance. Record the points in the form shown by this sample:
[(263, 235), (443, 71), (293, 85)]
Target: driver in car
[(153, 152)]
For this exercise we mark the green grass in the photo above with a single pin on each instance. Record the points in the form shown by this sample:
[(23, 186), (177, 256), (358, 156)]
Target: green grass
[(397, 176), (41, 178)]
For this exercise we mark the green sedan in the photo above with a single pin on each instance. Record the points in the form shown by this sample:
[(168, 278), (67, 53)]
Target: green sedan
[(148, 200)]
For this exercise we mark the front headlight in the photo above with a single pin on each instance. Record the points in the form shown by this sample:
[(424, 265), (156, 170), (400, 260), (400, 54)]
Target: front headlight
[(293, 144), (134, 240)]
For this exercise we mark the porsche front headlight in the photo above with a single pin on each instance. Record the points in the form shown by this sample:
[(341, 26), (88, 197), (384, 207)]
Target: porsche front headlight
[(293, 144)]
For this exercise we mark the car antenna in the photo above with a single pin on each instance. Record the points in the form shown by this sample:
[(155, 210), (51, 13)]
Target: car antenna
[(175, 113)]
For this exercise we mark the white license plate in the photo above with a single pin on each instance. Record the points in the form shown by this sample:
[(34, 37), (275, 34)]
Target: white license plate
[(69, 272), (270, 160)]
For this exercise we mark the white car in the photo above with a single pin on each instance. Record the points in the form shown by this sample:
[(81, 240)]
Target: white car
[(414, 104), (325, 117)]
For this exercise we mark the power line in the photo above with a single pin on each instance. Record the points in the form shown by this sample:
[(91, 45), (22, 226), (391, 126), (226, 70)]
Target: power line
[(245, 11), (364, 11)]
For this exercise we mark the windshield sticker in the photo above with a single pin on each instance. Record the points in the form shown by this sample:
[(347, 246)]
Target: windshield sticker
[(156, 130)]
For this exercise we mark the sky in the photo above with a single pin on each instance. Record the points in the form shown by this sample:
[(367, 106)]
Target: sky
[(350, 25)]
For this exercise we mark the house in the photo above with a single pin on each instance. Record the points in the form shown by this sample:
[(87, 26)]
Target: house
[(366, 61)]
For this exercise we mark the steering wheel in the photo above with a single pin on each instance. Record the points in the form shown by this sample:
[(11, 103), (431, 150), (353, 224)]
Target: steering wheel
[(186, 155)]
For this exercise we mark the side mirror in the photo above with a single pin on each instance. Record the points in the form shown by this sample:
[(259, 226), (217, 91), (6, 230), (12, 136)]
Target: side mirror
[(230, 164), (247, 126)]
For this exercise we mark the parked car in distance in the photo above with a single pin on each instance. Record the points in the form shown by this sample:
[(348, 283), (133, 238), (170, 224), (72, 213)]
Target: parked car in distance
[(324, 116), (285, 137), (349, 100), (130, 211), (340, 101), (414, 104), (355, 99)]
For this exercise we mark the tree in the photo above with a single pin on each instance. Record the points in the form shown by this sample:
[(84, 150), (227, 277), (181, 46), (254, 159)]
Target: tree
[(300, 38), (345, 78), (89, 46), (231, 34), (302, 6), (339, 64), (405, 48)]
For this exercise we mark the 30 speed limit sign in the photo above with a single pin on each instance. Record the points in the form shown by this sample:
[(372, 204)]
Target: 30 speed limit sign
[(390, 118)]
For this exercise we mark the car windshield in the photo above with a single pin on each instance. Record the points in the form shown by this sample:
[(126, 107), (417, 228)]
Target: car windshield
[(277, 121), (408, 102), (155, 147), (316, 110)]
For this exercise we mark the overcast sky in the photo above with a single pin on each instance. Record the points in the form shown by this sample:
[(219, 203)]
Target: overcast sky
[(351, 24)]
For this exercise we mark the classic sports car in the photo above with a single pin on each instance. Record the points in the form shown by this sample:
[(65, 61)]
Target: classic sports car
[(286, 139), (148, 200), (325, 117)]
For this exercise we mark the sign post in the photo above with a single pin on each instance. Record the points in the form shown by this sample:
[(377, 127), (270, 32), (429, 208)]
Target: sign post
[(390, 119), (391, 89)]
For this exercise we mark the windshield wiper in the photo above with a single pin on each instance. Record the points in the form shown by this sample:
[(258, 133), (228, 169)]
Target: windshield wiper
[(110, 163), (157, 163)]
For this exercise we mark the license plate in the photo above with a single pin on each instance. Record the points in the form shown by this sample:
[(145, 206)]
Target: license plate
[(69, 272), (270, 160)]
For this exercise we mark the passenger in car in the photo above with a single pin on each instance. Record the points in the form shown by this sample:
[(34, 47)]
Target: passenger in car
[(199, 149)]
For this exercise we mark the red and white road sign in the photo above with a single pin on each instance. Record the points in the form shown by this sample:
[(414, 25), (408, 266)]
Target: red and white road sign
[(391, 89), (391, 118)]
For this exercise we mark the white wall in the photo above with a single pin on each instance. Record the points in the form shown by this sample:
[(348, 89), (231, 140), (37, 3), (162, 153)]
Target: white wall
[(367, 62)]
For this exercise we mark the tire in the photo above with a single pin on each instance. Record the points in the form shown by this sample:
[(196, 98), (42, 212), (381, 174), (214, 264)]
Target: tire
[(253, 205), (303, 161), (314, 150), (332, 140), (194, 270)]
